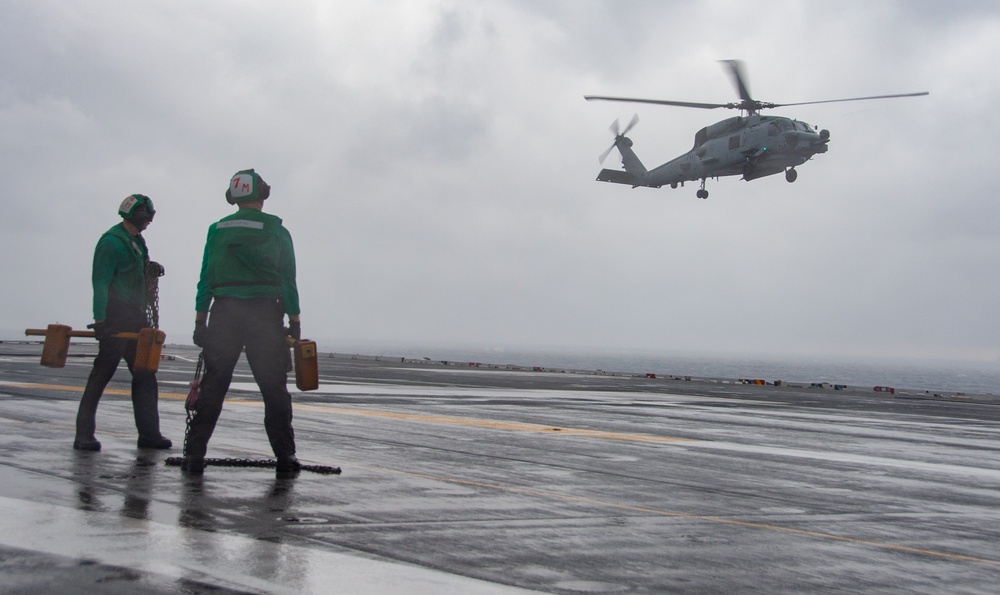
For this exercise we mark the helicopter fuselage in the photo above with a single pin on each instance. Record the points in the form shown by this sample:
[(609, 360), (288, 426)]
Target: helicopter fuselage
[(751, 146)]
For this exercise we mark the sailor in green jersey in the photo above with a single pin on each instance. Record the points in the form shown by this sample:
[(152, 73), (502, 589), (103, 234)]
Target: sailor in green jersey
[(248, 284), (248, 255), (121, 265)]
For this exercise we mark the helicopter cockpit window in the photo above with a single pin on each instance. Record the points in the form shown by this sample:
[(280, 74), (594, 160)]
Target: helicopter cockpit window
[(773, 129), (802, 126), (701, 137)]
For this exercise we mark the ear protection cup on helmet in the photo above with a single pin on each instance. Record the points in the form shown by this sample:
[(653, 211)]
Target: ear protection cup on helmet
[(229, 193), (245, 186)]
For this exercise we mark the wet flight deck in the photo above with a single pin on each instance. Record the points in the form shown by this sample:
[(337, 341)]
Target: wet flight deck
[(464, 479)]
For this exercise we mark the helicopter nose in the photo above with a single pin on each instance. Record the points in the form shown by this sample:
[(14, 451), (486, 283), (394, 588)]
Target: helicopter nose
[(808, 142), (821, 144), (796, 138)]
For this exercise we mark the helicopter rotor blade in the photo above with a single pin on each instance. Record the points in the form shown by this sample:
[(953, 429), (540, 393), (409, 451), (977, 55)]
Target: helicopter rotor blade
[(631, 125), (751, 105), (854, 99), (739, 78), (746, 104), (658, 102), (615, 129), (607, 151)]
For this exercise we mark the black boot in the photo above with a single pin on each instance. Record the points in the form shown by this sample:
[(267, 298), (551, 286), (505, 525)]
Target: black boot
[(193, 465), (154, 442), (86, 444), (287, 466)]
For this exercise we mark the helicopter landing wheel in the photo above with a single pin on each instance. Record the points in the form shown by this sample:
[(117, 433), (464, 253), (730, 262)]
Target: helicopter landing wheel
[(791, 175), (702, 193)]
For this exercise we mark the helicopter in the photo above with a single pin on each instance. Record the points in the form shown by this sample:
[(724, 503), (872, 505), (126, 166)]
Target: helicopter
[(751, 144)]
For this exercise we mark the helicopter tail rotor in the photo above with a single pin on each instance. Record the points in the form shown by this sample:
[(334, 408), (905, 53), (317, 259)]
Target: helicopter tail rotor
[(619, 134)]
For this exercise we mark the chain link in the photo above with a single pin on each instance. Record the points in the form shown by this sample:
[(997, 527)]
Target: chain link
[(189, 405), (192, 399), (153, 297)]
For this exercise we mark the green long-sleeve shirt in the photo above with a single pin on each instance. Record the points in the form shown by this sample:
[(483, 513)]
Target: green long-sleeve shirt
[(248, 254), (119, 270)]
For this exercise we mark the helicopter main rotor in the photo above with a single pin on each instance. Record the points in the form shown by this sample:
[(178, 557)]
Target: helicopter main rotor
[(747, 103)]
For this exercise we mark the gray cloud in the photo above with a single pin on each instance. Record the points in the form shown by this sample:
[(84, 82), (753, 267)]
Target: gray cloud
[(435, 163)]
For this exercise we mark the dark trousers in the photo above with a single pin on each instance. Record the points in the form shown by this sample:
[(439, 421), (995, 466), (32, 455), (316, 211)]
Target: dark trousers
[(145, 392), (254, 324)]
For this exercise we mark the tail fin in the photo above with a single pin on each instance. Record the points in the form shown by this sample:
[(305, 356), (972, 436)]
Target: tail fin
[(629, 159), (634, 169)]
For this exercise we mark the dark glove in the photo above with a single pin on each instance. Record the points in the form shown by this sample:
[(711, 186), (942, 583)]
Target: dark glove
[(101, 330), (294, 329), (155, 269), (200, 333)]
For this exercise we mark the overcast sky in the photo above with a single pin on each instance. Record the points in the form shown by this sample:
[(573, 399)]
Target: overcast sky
[(435, 164)]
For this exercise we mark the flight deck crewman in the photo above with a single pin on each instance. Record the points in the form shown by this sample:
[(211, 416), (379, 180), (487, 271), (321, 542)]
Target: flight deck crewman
[(121, 265), (248, 282)]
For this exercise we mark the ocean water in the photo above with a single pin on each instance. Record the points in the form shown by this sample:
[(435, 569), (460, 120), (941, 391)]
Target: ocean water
[(924, 375), (981, 378)]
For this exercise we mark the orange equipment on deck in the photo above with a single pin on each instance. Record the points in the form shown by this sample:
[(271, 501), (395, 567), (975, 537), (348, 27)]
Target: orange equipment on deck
[(149, 344)]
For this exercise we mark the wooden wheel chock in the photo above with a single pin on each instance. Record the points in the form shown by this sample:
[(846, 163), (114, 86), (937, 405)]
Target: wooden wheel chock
[(149, 344), (306, 364)]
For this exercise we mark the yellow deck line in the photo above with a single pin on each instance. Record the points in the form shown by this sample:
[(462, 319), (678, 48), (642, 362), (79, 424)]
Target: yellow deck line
[(491, 424), (494, 424)]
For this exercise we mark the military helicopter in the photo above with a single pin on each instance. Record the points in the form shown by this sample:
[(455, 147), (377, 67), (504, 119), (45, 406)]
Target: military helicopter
[(750, 144)]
